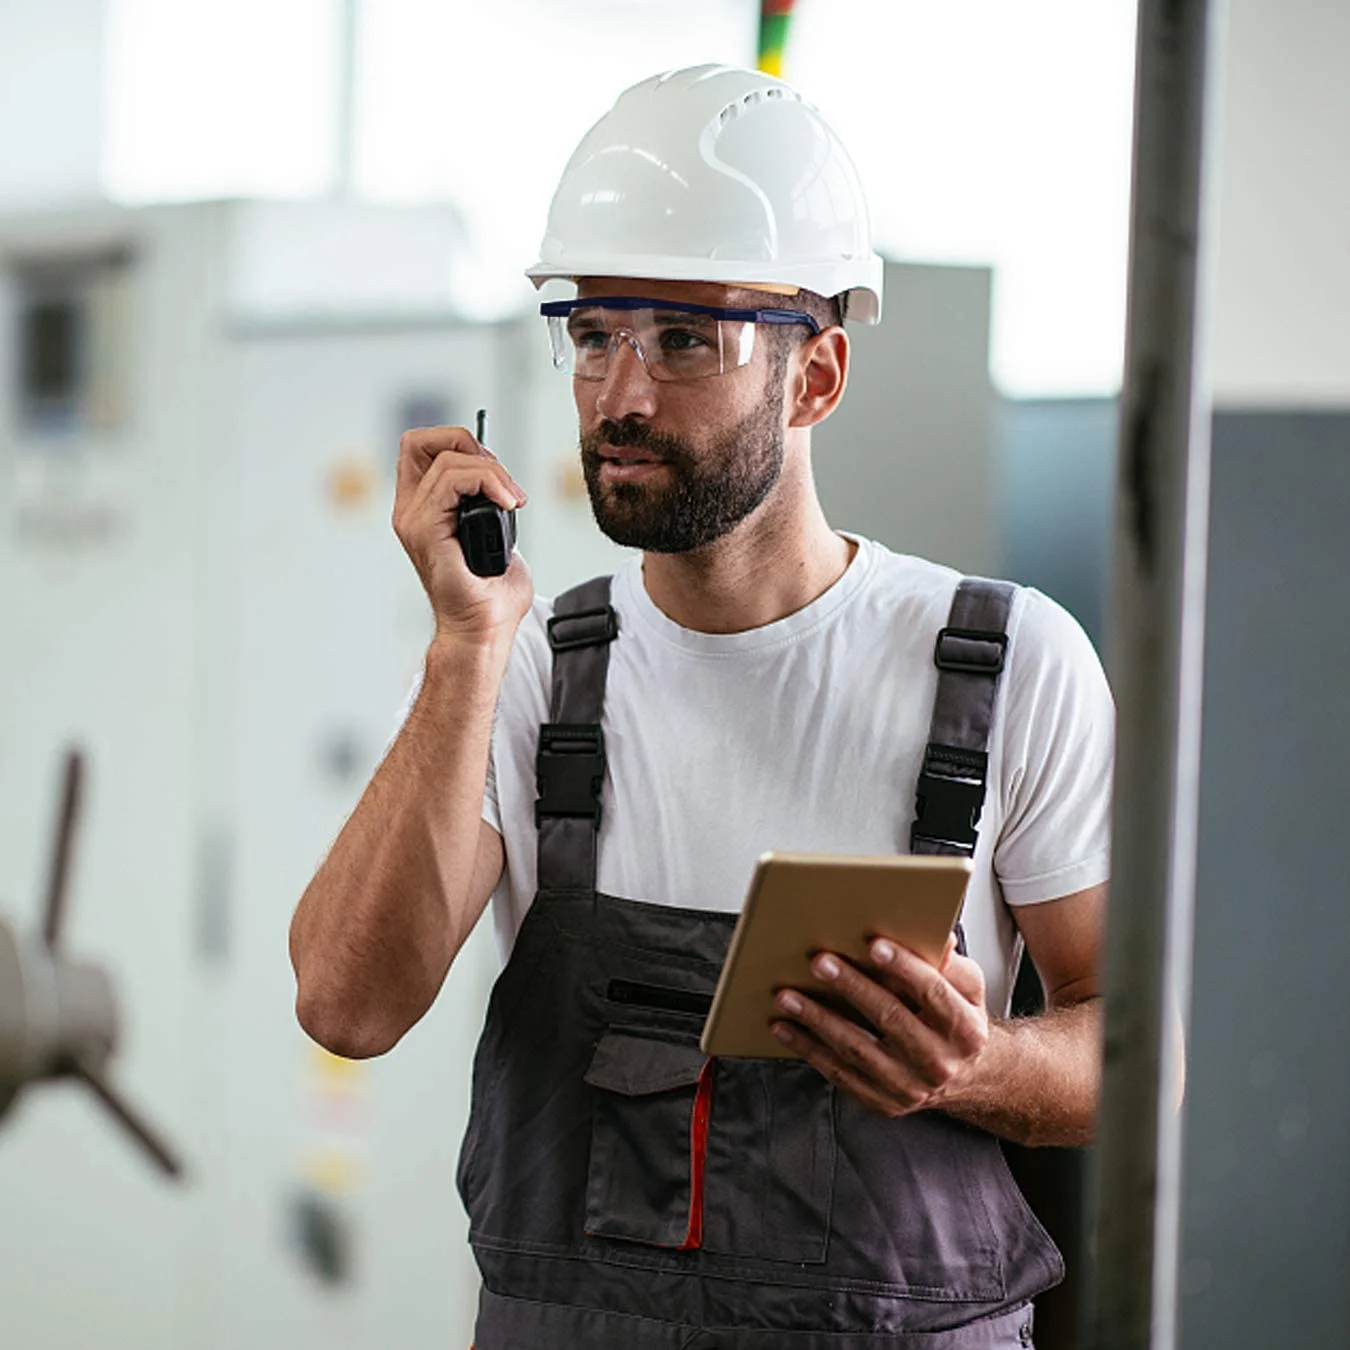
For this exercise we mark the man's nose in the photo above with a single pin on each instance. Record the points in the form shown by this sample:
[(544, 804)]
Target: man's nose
[(627, 390)]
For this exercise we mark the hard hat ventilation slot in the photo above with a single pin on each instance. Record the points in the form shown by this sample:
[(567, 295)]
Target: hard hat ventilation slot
[(775, 92)]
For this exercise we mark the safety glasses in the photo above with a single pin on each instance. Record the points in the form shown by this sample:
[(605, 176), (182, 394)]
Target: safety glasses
[(673, 341)]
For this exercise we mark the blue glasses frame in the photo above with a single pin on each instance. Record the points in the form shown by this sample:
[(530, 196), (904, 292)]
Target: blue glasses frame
[(560, 309)]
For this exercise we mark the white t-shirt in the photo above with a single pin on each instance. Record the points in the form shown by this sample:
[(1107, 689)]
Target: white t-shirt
[(807, 735)]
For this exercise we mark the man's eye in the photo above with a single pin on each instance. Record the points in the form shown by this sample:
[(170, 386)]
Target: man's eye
[(590, 339), (675, 340)]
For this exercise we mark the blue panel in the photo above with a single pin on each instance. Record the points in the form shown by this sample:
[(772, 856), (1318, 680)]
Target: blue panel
[(1056, 466), (1266, 1209)]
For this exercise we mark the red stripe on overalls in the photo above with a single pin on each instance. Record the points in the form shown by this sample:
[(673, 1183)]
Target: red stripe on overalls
[(698, 1153)]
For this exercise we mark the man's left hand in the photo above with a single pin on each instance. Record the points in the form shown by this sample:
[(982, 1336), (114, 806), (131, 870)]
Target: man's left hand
[(931, 1027)]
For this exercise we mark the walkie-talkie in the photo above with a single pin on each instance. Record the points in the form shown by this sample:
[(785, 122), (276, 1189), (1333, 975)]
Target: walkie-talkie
[(487, 533)]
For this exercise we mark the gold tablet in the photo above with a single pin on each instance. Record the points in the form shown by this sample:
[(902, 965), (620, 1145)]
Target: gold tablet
[(803, 903)]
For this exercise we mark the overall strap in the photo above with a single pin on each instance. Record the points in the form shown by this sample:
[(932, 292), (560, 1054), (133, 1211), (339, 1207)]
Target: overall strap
[(570, 763), (969, 656)]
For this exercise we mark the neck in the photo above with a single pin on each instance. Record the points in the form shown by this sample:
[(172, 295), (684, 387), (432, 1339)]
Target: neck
[(778, 560)]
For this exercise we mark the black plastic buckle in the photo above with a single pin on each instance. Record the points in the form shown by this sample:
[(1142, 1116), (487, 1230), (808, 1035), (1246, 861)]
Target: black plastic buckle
[(570, 768), (585, 628), (986, 658), (948, 804)]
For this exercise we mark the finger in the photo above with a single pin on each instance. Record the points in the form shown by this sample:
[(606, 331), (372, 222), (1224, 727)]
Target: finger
[(464, 476), (431, 513), (832, 1068), (947, 952), (950, 1010), (435, 518), (847, 1041), (420, 447), (430, 518), (490, 478), (928, 1027), (968, 979)]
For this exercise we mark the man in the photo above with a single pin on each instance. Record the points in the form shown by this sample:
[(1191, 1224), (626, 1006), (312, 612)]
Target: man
[(757, 681)]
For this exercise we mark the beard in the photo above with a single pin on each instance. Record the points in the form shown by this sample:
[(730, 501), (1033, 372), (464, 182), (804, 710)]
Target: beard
[(703, 497)]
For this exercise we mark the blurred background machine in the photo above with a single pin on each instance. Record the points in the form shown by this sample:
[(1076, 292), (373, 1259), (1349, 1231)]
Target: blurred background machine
[(196, 561), (58, 1016)]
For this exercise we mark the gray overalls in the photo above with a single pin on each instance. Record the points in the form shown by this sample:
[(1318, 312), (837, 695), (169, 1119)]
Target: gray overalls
[(627, 1193)]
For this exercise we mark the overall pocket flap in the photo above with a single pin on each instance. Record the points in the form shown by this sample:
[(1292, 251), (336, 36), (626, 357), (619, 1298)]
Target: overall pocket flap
[(635, 1065)]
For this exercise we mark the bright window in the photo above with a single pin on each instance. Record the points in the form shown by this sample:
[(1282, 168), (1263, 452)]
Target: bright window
[(208, 99), (985, 131), (484, 102)]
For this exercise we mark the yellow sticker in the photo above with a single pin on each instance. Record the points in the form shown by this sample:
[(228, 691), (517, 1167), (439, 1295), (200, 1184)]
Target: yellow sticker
[(352, 482)]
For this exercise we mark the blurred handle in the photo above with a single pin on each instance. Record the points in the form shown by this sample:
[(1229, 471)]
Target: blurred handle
[(59, 881), (148, 1138)]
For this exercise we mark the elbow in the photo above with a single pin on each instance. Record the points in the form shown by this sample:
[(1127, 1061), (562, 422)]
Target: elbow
[(340, 1029), (330, 1014)]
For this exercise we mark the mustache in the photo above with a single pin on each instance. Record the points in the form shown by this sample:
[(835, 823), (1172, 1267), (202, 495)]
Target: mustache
[(633, 434)]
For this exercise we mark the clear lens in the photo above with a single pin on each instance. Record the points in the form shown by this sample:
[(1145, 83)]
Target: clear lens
[(671, 344)]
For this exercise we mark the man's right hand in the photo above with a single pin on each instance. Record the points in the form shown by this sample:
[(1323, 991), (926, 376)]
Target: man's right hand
[(437, 466)]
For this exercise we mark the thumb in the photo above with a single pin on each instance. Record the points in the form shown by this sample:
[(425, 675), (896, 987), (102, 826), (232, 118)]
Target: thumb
[(947, 952), (966, 977)]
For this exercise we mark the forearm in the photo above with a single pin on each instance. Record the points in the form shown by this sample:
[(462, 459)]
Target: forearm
[(389, 907), (1038, 1079)]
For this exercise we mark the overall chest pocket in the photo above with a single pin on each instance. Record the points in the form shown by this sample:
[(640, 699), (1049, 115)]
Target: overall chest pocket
[(643, 1169), (735, 1157)]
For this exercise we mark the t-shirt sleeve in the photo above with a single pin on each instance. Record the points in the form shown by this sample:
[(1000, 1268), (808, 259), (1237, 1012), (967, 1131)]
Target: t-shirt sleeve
[(1058, 745), (492, 809), (522, 704), (405, 711)]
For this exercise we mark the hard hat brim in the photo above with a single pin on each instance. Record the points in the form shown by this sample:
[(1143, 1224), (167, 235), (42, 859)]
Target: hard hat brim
[(859, 280)]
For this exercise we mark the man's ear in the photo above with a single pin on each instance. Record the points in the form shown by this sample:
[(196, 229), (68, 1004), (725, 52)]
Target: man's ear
[(818, 374)]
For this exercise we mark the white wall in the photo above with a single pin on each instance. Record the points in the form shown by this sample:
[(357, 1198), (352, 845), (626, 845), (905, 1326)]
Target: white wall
[(907, 456), (994, 134), (1281, 308), (237, 624), (98, 649), (51, 100)]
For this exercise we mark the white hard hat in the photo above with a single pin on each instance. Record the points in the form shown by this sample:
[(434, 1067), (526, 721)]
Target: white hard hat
[(714, 174)]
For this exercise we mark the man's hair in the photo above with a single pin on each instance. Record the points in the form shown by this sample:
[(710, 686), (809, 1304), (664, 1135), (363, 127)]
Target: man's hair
[(825, 311), (785, 338)]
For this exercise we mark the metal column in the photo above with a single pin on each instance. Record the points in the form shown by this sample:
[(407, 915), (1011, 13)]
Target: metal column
[(1156, 637)]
